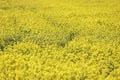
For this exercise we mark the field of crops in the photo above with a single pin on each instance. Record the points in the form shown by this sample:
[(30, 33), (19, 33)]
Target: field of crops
[(59, 39)]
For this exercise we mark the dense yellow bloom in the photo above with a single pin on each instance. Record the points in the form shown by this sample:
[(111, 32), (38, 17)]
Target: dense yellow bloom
[(59, 40)]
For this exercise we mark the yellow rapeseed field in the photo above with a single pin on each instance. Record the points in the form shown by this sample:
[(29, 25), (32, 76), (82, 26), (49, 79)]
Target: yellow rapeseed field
[(59, 39)]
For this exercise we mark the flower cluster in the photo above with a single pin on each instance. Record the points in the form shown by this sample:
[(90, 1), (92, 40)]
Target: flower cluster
[(59, 40)]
